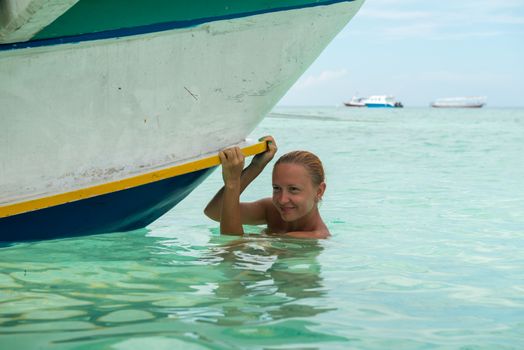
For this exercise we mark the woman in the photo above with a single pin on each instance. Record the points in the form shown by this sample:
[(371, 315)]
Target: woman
[(298, 187)]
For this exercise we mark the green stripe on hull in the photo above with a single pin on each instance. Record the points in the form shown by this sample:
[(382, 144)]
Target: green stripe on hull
[(91, 16)]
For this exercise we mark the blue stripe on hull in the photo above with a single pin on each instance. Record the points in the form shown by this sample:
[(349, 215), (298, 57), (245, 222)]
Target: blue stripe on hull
[(377, 105), (118, 211), (152, 28)]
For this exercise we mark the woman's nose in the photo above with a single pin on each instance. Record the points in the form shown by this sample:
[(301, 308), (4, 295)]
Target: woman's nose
[(283, 197)]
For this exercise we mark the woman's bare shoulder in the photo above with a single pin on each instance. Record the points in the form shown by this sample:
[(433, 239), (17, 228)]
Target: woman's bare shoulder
[(255, 213)]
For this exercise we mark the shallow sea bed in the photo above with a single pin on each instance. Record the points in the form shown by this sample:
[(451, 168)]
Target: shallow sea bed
[(426, 208)]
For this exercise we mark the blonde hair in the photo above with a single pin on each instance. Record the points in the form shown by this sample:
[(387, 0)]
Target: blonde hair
[(309, 161)]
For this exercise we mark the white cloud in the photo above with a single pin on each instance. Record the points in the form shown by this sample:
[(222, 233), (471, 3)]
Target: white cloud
[(398, 19), (395, 15), (468, 35), (455, 77), (316, 80), (411, 30)]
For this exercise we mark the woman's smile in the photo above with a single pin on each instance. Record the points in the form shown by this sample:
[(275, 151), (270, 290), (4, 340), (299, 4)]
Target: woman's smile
[(286, 209)]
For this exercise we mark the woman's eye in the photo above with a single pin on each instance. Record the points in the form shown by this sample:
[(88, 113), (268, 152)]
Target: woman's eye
[(294, 190), (276, 189)]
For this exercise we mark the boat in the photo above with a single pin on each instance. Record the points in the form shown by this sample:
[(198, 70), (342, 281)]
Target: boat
[(382, 101), (460, 102), (356, 102), (113, 111)]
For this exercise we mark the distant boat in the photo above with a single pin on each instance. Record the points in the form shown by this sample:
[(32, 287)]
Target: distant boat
[(460, 102), (356, 102), (382, 101)]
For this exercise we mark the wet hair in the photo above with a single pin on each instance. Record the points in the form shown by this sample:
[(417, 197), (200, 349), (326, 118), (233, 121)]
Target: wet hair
[(309, 161)]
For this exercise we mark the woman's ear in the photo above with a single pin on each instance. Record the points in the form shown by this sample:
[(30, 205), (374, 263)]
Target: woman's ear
[(320, 191)]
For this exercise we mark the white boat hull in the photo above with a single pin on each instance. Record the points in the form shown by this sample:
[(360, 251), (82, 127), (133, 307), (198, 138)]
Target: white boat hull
[(79, 114), (75, 116)]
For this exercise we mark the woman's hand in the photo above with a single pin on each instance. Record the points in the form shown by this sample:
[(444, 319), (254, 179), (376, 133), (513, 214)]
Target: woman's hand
[(262, 159), (232, 161)]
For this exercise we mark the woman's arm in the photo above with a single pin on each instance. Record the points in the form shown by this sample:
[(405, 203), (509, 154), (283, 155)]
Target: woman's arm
[(250, 213), (214, 207), (232, 161)]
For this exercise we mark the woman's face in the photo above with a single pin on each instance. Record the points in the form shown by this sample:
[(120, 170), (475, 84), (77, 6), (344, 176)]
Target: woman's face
[(294, 194)]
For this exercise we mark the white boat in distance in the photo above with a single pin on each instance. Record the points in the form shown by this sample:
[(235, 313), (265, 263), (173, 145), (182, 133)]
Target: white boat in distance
[(460, 102), (376, 101), (382, 101)]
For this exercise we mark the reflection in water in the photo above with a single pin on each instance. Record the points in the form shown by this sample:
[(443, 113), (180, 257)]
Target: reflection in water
[(108, 289), (269, 278)]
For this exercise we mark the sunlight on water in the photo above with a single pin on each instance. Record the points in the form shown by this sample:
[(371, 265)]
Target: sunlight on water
[(426, 208)]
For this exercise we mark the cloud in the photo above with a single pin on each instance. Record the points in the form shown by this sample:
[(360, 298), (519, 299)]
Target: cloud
[(322, 78), (468, 35), (395, 15), (455, 77), (400, 19), (411, 30)]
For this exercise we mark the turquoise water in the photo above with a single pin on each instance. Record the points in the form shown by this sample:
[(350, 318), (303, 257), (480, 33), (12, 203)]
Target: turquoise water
[(426, 208)]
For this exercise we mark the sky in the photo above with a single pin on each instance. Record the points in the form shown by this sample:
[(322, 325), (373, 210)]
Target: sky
[(419, 50)]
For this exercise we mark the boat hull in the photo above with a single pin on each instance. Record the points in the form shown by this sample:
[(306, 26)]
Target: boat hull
[(460, 102), (458, 106), (378, 105), (83, 109), (117, 211), (121, 205)]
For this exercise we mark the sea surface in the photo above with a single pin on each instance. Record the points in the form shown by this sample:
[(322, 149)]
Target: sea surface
[(426, 211)]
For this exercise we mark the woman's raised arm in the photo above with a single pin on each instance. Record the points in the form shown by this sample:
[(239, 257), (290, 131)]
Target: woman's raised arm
[(249, 213)]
